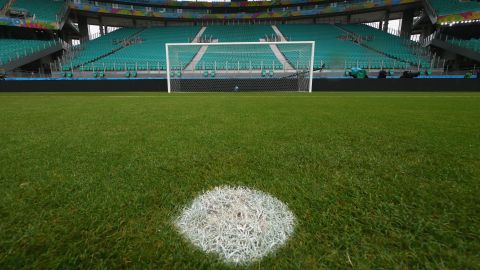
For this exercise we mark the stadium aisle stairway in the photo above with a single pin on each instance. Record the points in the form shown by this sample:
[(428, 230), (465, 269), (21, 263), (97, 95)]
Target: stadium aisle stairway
[(332, 48)]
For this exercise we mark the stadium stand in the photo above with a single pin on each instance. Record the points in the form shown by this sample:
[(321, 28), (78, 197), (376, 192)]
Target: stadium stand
[(390, 45), (445, 7), (333, 48), (339, 47), (85, 45), (12, 49), (260, 57), (43, 10)]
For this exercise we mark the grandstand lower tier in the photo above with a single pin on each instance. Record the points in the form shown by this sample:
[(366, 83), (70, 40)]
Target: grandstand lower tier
[(336, 47)]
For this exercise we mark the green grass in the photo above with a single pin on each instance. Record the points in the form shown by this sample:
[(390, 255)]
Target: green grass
[(376, 180)]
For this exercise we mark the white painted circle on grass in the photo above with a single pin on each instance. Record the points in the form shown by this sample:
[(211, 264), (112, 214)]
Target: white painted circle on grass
[(239, 224)]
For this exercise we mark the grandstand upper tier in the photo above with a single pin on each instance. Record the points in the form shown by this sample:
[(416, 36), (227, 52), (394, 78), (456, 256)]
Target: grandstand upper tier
[(48, 14), (445, 7), (196, 11), (43, 10), (337, 47), (207, 3)]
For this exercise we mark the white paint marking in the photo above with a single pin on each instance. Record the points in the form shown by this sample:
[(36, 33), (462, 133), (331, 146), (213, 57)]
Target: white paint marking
[(239, 224)]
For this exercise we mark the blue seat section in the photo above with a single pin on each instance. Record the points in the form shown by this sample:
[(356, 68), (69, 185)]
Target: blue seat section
[(12, 49), (147, 52), (241, 57), (99, 47), (391, 45), (332, 48)]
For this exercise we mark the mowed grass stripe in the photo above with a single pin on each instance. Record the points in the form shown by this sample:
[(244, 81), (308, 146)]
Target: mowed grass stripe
[(90, 181)]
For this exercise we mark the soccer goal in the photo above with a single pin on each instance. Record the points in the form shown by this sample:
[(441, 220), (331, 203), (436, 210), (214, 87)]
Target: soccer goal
[(240, 66)]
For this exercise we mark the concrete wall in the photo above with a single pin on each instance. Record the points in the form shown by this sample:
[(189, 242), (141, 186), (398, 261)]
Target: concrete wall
[(160, 85)]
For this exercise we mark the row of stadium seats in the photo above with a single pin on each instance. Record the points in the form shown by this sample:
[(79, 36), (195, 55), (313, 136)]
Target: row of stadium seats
[(12, 49), (472, 44), (445, 7), (43, 10), (388, 44)]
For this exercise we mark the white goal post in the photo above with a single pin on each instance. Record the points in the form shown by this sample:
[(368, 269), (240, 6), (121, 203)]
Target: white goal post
[(240, 66)]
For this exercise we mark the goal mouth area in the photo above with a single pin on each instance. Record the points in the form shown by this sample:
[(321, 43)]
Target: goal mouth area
[(288, 62)]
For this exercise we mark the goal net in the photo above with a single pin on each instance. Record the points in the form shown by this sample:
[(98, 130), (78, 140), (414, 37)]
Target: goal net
[(240, 66)]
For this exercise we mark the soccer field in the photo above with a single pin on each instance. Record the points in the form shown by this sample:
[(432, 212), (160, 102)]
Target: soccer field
[(375, 180)]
